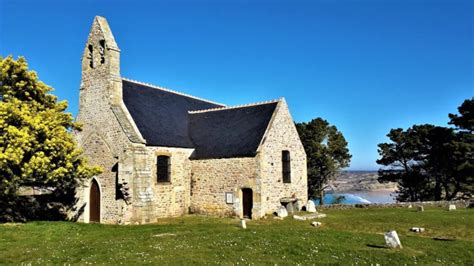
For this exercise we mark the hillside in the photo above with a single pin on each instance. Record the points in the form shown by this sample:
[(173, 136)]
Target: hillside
[(351, 181)]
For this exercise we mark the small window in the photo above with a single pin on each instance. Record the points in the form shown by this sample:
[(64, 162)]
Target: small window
[(90, 56), (286, 163), (163, 168), (102, 51)]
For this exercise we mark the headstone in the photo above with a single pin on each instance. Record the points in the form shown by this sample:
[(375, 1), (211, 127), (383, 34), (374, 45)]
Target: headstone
[(392, 240), (298, 205), (243, 224), (321, 215), (421, 209), (311, 216), (417, 229), (316, 224), (310, 207), (452, 207), (289, 207), (300, 218), (409, 206), (282, 212)]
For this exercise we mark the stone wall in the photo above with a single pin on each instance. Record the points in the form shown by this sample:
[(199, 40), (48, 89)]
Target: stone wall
[(442, 203), (212, 178), (103, 138), (281, 135), (152, 199)]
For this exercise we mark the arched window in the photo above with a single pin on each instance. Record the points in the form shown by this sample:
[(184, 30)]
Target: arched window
[(163, 169), (286, 163)]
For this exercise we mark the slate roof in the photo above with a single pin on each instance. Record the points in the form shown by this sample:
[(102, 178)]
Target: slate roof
[(226, 133), (172, 119), (161, 115)]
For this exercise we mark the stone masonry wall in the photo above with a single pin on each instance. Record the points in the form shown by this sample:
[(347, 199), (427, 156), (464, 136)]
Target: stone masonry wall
[(212, 178), (102, 138), (281, 135), (154, 199)]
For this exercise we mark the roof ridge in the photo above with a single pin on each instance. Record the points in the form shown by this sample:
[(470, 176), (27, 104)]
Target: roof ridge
[(234, 107), (171, 91)]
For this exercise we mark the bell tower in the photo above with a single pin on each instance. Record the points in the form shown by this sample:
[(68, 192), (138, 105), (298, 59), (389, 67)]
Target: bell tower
[(101, 63), (101, 52), (100, 96)]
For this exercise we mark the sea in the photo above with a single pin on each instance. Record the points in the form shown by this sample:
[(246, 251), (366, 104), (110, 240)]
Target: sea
[(361, 197)]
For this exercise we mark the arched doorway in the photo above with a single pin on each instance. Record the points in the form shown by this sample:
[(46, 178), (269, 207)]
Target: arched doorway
[(94, 203), (247, 202)]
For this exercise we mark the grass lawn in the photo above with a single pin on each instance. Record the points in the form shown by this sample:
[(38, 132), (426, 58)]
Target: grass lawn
[(352, 236)]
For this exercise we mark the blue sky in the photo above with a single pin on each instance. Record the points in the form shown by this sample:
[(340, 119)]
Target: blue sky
[(365, 66)]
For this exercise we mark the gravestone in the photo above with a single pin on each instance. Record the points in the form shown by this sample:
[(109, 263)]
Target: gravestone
[(298, 205), (290, 208), (417, 229), (310, 206), (452, 207), (243, 224), (392, 240), (300, 218), (316, 224), (282, 212), (421, 208)]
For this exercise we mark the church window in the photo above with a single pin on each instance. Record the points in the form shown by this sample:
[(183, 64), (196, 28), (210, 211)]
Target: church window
[(102, 51), (286, 166), (163, 169), (90, 55)]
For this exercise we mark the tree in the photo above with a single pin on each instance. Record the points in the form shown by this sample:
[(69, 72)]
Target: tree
[(403, 164), (431, 162), (463, 148), (465, 120), (327, 152), (36, 147)]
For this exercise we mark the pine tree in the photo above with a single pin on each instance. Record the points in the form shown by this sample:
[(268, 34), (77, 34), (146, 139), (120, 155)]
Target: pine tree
[(327, 153)]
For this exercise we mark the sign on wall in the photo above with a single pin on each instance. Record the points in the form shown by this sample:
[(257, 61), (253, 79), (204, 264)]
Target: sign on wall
[(229, 197)]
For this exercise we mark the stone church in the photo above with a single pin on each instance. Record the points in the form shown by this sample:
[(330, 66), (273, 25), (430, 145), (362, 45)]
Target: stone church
[(165, 153)]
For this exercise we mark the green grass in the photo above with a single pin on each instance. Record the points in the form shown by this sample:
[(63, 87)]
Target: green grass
[(353, 236)]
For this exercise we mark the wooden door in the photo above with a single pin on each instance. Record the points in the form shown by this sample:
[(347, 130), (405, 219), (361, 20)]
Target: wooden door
[(247, 202), (94, 203)]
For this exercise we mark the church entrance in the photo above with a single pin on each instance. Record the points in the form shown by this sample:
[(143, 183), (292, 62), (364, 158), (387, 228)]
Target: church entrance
[(247, 202), (94, 203)]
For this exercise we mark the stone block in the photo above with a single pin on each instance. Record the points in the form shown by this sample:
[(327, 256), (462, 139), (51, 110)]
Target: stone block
[(299, 218), (392, 240), (316, 224), (243, 224), (282, 212), (310, 206), (290, 208)]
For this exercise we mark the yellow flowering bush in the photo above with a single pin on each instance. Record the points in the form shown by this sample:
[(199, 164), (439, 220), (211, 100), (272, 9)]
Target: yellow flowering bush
[(36, 144)]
